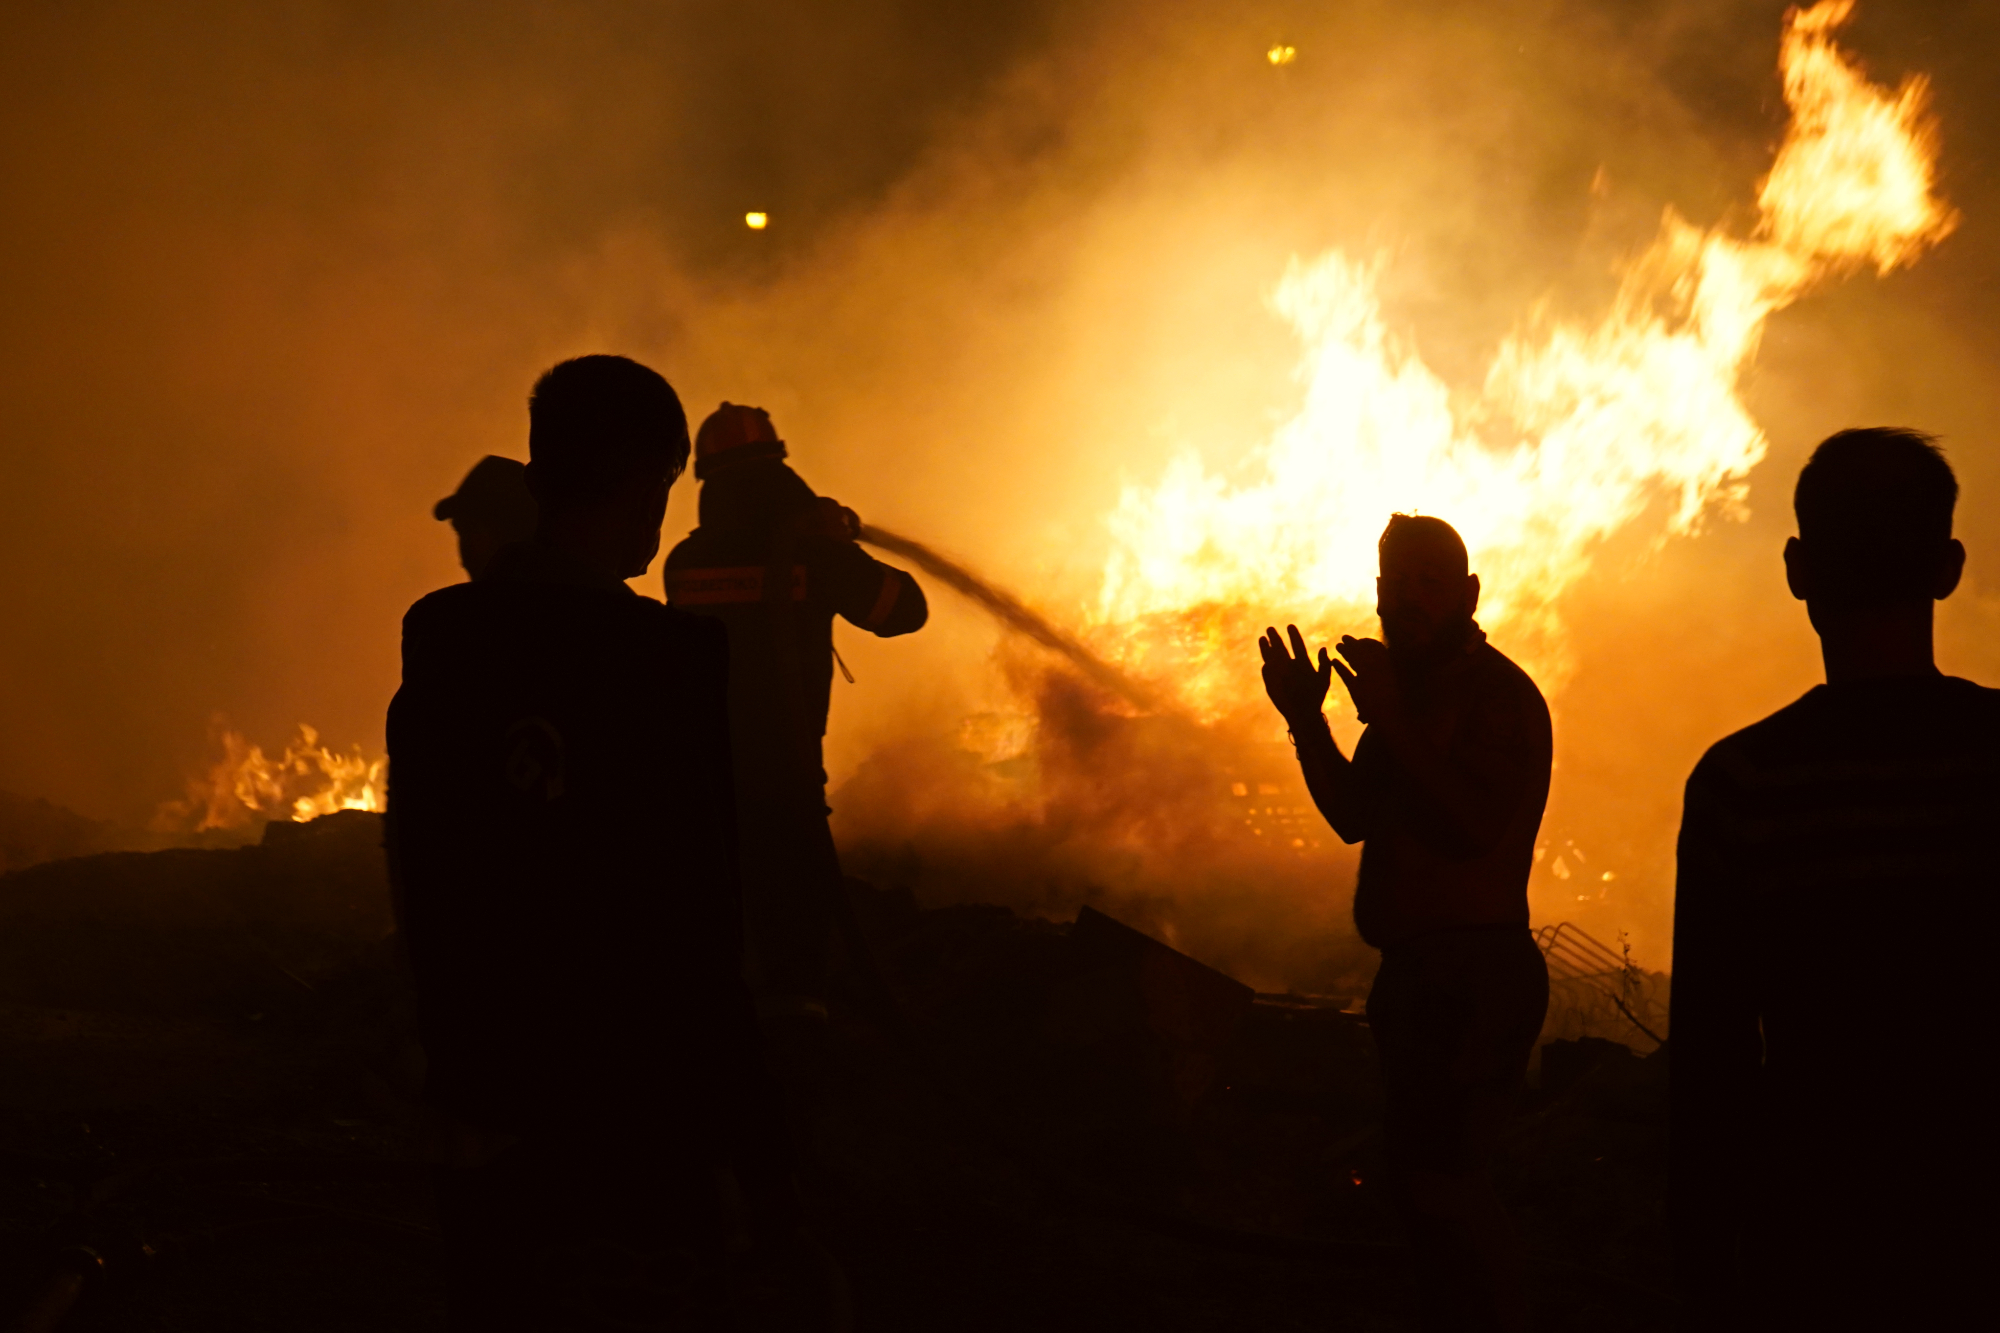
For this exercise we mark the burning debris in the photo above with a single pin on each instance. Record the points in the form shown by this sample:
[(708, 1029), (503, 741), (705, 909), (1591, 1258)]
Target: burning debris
[(1579, 432), (1574, 433), (244, 787)]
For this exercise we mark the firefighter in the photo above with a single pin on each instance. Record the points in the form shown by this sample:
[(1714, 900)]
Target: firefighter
[(776, 563)]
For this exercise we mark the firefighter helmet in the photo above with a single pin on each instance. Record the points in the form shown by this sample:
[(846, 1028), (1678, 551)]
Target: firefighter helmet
[(734, 434)]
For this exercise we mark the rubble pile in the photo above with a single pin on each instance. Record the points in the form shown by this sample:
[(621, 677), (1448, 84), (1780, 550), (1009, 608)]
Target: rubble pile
[(192, 932), (1025, 1117)]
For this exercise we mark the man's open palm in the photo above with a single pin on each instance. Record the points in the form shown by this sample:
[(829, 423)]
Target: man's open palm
[(1295, 685)]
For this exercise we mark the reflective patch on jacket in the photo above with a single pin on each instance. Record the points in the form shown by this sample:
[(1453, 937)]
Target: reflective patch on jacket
[(720, 586)]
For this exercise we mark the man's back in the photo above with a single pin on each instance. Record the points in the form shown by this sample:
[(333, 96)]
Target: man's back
[(562, 832), (1838, 866)]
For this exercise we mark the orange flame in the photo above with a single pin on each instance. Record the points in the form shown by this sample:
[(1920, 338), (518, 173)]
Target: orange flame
[(306, 781), (1576, 431)]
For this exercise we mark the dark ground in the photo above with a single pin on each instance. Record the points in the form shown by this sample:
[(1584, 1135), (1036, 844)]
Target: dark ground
[(205, 1056)]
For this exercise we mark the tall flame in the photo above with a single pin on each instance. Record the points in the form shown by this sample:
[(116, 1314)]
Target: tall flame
[(1576, 431), (306, 781)]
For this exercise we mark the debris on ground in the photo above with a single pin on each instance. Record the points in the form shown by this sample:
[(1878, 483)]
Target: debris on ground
[(208, 1077)]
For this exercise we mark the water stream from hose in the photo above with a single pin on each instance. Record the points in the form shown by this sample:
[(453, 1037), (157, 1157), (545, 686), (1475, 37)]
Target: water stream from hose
[(1011, 612)]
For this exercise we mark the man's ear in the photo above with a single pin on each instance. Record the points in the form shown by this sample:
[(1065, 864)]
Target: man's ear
[(1950, 570), (1472, 594), (1795, 569)]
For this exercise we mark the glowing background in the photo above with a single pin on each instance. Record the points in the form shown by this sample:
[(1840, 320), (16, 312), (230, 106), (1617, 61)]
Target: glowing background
[(277, 273)]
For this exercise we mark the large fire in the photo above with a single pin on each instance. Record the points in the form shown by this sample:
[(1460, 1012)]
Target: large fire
[(244, 787), (1577, 432)]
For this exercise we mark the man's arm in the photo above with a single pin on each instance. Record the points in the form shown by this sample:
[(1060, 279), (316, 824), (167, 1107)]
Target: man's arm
[(1717, 1050), (1298, 690), (879, 598), (429, 831)]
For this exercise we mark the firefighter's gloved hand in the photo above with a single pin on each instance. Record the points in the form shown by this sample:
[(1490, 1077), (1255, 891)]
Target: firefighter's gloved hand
[(836, 520)]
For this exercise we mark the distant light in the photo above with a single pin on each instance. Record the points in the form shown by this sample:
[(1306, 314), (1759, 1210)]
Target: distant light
[(756, 221), (1282, 55)]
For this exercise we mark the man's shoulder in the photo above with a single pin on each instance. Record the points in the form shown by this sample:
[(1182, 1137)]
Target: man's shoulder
[(1979, 703), (1777, 740), (448, 612), (1503, 678), (443, 603), (1829, 732), (702, 636)]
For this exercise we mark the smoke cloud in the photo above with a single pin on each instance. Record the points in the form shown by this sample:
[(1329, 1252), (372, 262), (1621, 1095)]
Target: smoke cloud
[(279, 273)]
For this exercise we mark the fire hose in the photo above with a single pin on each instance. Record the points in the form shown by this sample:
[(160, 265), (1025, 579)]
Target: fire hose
[(1015, 614)]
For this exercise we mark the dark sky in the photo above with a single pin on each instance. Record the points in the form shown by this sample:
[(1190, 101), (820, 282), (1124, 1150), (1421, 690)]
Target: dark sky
[(275, 274)]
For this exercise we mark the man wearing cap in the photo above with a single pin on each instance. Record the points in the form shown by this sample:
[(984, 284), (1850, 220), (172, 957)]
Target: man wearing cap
[(776, 563), (491, 510)]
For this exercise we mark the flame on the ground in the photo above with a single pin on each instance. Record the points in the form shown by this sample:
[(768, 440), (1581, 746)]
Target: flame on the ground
[(1576, 432), (245, 786)]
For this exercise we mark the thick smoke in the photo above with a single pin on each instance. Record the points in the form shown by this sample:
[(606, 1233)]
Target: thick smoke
[(279, 273)]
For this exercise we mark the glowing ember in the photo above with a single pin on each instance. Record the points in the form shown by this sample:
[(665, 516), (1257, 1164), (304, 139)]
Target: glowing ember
[(1282, 55), (1576, 430), (756, 221), (243, 786)]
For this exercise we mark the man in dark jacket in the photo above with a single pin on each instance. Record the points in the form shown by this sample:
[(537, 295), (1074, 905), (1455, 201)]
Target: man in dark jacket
[(1833, 928), (561, 836), (775, 563)]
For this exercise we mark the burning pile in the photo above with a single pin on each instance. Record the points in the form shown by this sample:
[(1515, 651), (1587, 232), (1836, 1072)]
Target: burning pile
[(1186, 808), (1575, 432), (244, 787)]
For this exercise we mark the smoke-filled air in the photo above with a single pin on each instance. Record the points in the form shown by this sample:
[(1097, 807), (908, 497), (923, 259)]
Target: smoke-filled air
[(1125, 327)]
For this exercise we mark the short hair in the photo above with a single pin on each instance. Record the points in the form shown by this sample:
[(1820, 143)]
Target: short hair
[(1423, 530), (1874, 506), (593, 421)]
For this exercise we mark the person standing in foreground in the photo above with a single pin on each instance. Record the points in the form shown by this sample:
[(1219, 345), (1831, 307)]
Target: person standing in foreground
[(1833, 927), (562, 848), (1445, 792), (775, 563)]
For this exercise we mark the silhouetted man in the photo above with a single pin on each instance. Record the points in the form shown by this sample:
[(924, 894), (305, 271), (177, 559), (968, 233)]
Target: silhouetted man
[(561, 832), (776, 563), (1445, 792), (1833, 1038), (491, 510)]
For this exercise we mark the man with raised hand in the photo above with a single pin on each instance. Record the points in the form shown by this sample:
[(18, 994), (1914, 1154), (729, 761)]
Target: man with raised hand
[(1833, 1035), (562, 845), (1445, 791)]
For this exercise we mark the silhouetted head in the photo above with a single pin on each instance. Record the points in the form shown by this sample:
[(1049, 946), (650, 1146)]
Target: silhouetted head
[(1874, 511), (733, 435), (745, 482), (1426, 595), (606, 438), (491, 510)]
